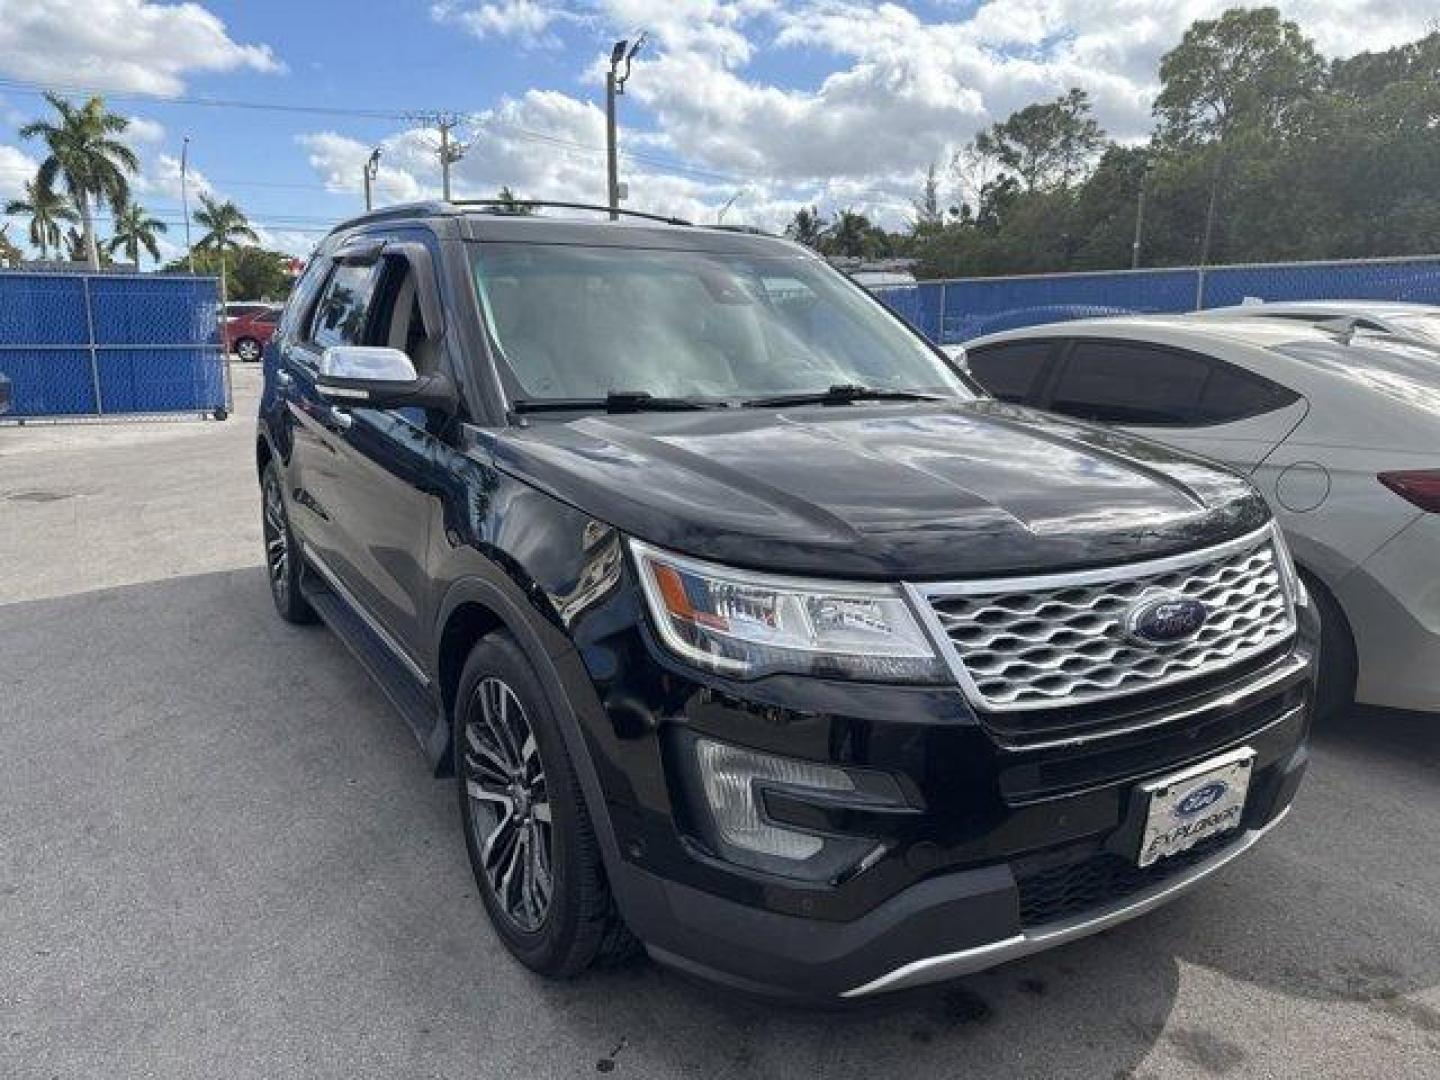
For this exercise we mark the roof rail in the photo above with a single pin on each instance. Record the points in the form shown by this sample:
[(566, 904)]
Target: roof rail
[(511, 204)]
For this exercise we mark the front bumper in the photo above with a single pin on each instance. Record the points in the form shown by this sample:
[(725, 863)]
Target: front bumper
[(952, 922)]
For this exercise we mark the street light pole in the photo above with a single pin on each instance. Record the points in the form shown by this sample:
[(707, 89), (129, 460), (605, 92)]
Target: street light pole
[(623, 52), (185, 201), (371, 171), (1139, 219)]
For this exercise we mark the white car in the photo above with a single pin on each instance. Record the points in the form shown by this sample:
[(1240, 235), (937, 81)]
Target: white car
[(1341, 433), (1413, 322)]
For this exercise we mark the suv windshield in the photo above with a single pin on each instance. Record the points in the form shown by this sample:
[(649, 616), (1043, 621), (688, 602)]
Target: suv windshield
[(582, 322)]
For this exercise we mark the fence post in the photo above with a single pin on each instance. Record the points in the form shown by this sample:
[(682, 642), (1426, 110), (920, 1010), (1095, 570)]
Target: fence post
[(94, 351), (941, 340), (1200, 288)]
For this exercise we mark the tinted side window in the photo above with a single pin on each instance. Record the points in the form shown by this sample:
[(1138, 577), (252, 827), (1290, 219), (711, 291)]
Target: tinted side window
[(1132, 383), (344, 308), (1010, 372)]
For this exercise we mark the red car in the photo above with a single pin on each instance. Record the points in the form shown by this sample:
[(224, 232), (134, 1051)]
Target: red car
[(249, 330)]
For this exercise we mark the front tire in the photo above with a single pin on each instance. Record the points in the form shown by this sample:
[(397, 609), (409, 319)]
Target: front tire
[(282, 554), (532, 845), (248, 350)]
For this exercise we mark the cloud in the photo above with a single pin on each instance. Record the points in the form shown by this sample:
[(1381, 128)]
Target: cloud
[(133, 45), (144, 130), (705, 115), (162, 178), (524, 20), (17, 169)]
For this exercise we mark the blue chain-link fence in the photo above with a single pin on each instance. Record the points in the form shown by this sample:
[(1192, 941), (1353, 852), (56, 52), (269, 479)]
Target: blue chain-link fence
[(957, 310), (112, 345)]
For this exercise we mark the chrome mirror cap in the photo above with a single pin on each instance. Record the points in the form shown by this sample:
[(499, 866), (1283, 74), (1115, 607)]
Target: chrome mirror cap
[(366, 363)]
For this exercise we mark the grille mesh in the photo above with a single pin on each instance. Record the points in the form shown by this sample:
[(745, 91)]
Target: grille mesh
[(1065, 645)]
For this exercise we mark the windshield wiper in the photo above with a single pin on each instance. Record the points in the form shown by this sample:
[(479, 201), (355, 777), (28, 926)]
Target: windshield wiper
[(841, 394), (617, 401)]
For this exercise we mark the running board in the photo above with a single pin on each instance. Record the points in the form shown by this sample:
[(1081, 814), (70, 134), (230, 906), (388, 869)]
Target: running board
[(400, 686)]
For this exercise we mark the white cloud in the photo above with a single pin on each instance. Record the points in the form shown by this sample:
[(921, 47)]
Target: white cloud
[(525, 20), (162, 178), (144, 130), (17, 168), (120, 44), (898, 91)]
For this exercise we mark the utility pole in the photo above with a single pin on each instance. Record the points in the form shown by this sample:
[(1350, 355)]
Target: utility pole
[(623, 52), (371, 170), (1139, 218), (450, 153), (185, 201)]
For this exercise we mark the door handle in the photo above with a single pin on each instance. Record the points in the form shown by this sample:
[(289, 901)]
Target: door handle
[(284, 380)]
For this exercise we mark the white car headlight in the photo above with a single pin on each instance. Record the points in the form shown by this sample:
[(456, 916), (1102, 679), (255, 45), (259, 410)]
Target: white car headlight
[(748, 624)]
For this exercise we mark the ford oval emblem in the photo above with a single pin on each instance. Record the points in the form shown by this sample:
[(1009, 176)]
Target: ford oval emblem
[(1201, 799), (1164, 618)]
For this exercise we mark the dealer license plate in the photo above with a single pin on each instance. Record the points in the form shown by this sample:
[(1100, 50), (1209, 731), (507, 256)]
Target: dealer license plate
[(1187, 807)]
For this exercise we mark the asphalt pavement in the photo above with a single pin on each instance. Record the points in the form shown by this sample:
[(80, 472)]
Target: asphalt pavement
[(222, 856)]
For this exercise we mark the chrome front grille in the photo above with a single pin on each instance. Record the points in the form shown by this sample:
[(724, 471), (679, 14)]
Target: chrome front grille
[(1060, 640)]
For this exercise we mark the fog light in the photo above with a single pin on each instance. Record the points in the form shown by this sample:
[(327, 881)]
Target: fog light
[(729, 775)]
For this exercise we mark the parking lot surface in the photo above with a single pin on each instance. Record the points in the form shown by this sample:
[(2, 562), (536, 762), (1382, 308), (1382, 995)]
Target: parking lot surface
[(222, 855)]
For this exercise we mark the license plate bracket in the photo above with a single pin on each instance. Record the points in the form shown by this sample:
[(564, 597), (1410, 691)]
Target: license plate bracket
[(1192, 805)]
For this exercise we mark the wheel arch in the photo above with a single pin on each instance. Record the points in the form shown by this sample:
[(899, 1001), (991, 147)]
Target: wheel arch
[(475, 607)]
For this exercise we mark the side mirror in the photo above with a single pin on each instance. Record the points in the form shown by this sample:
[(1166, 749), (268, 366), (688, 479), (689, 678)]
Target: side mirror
[(378, 377)]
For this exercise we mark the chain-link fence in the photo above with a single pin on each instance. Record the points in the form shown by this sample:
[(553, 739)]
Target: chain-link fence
[(112, 345), (963, 308)]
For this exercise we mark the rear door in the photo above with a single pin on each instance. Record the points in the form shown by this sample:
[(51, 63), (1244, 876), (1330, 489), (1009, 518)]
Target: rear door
[(1187, 399)]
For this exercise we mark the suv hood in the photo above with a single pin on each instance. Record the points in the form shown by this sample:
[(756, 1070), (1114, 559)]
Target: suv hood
[(907, 491)]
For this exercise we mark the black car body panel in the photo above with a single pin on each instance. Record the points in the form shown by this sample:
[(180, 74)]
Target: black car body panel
[(440, 529), (884, 491)]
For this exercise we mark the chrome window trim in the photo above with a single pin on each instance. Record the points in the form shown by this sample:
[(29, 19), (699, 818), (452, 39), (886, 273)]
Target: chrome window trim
[(923, 595), (967, 961), (370, 620)]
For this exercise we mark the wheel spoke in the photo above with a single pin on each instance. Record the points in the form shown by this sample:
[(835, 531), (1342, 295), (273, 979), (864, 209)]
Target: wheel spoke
[(505, 773)]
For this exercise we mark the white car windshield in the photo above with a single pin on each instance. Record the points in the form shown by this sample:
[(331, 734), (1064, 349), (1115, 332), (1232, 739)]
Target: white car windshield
[(583, 322)]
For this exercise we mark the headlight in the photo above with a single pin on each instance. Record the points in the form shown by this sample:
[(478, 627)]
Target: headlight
[(1289, 577), (749, 624)]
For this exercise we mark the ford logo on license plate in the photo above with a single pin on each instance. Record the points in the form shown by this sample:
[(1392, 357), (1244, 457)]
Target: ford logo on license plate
[(1161, 617)]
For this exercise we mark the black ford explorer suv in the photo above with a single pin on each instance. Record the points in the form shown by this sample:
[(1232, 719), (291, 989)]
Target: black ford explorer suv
[(749, 629)]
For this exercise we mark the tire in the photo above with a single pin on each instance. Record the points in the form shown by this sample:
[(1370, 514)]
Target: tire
[(1335, 688), (531, 843), (282, 554), (248, 350)]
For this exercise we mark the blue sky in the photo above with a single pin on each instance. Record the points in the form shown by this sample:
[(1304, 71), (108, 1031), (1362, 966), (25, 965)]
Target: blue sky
[(774, 105)]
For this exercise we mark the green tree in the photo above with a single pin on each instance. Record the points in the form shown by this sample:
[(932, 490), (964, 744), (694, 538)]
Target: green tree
[(87, 159), (808, 227), (928, 215), (135, 229), (252, 273), (1049, 144), (47, 210), (511, 203), (225, 224), (9, 254), (1247, 69)]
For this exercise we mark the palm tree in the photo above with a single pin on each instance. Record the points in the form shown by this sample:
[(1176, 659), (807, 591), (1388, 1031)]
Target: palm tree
[(134, 229), (84, 156), (226, 225), (47, 210), (808, 227)]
